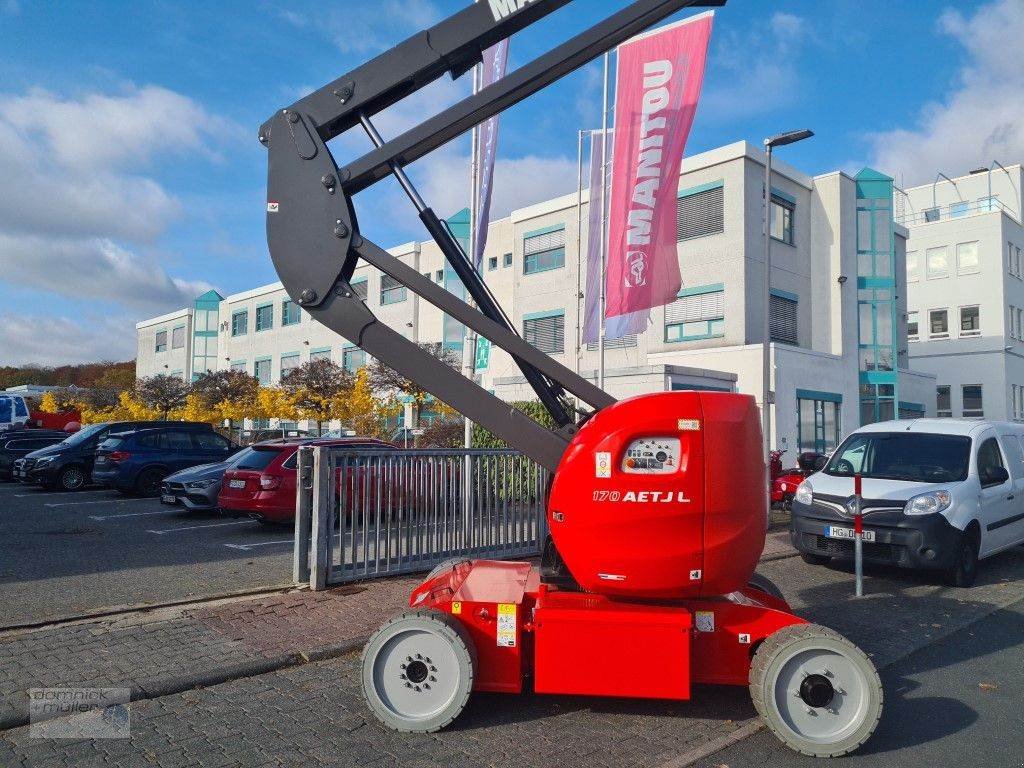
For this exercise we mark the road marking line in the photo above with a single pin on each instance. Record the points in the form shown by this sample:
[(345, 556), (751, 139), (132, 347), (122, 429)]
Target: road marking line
[(47, 494), (247, 547), (194, 527), (105, 501), (134, 514)]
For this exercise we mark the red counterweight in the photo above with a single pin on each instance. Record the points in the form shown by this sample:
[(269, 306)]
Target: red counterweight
[(663, 496)]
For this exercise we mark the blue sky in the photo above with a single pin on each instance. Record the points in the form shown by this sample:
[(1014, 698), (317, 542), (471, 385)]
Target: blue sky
[(132, 177)]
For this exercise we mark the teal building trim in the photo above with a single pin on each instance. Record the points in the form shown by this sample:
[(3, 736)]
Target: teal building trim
[(542, 315), (785, 294), (700, 290), (718, 184), (544, 231), (814, 394)]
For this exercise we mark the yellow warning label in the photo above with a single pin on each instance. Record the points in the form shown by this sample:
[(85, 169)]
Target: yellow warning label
[(506, 625), (456, 608)]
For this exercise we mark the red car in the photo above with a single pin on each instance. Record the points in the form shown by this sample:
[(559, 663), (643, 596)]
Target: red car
[(785, 481), (263, 485)]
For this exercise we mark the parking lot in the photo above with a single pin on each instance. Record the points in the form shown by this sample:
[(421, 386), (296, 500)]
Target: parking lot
[(64, 554)]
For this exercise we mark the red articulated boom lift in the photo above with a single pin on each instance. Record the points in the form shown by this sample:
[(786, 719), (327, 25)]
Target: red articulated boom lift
[(656, 506)]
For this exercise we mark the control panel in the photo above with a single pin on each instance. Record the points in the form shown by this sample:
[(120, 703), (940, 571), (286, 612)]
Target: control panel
[(652, 456)]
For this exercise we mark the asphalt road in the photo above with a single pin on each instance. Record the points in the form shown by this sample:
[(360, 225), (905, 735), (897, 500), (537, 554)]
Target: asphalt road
[(68, 553), (957, 702)]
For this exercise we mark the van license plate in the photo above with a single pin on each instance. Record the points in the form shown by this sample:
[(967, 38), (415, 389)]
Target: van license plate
[(836, 532), (236, 484)]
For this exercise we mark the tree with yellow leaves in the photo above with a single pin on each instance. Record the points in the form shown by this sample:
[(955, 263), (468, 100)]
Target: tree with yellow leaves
[(367, 414), (318, 391)]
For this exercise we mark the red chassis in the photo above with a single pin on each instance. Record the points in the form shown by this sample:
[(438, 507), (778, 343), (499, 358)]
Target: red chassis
[(559, 638)]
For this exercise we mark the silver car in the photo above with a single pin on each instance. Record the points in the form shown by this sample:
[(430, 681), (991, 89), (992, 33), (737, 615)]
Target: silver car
[(196, 488)]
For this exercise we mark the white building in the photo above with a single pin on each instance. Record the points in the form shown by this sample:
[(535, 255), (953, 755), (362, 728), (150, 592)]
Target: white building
[(835, 358), (965, 290)]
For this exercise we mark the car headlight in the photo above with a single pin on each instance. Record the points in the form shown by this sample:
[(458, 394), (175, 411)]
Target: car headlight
[(804, 493), (928, 503), (201, 484)]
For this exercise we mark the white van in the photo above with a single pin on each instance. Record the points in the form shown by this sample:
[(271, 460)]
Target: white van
[(937, 493), (13, 411)]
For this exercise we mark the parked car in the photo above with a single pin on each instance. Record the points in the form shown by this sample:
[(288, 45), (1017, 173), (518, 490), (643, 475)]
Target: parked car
[(937, 494), (196, 488), (263, 485), (786, 481), (21, 442), (137, 462), (68, 465), (13, 412), (253, 436)]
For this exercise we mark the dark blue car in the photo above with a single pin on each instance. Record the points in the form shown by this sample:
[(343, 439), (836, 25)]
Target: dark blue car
[(137, 462)]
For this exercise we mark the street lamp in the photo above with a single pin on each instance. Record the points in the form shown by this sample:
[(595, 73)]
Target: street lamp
[(770, 143)]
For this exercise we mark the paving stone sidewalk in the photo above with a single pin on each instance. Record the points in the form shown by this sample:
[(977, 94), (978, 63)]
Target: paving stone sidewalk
[(312, 715)]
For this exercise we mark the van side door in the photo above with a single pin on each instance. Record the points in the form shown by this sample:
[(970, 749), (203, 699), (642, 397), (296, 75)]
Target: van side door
[(997, 500)]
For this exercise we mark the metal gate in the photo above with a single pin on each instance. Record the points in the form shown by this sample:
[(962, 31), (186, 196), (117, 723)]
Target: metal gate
[(362, 514)]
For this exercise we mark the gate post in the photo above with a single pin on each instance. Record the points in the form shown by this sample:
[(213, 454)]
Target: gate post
[(303, 516), (323, 510)]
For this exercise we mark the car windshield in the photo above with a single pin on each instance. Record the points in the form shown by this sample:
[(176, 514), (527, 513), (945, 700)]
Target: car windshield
[(911, 456), (84, 434), (259, 458)]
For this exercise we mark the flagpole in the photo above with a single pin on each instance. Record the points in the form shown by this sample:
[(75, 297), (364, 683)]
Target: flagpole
[(579, 251), (469, 338), (604, 222)]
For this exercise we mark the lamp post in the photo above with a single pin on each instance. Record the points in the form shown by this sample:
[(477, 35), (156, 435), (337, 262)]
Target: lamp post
[(779, 140)]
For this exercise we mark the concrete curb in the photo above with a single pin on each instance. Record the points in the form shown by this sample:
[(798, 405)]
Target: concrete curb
[(170, 686)]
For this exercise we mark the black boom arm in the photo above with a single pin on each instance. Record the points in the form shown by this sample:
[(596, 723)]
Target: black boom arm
[(312, 227)]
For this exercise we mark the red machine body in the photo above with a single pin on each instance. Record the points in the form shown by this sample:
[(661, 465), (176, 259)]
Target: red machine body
[(681, 542)]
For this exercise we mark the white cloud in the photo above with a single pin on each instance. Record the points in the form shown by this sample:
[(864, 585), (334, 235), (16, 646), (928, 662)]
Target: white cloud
[(371, 27), (982, 118), (53, 340), (759, 70), (78, 205)]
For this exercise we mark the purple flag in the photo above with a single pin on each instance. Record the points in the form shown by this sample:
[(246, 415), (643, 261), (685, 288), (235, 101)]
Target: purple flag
[(621, 325), (495, 61)]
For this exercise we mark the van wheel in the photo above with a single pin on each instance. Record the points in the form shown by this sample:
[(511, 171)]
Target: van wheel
[(148, 481), (811, 559), (72, 478), (965, 569)]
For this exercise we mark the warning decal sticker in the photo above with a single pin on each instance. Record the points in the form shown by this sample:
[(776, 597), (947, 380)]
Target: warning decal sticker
[(705, 621), (603, 462), (456, 608), (507, 625)]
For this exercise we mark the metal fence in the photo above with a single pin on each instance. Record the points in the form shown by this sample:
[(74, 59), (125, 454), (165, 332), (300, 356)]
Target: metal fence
[(361, 514)]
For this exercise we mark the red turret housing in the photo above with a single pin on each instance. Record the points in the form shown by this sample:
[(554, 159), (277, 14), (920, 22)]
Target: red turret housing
[(663, 496)]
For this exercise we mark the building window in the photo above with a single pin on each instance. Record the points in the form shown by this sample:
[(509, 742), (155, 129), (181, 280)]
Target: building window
[(240, 323), (818, 421), (289, 363), (623, 342), (912, 330), (782, 312), (492, 263), (700, 315), (506, 260), (913, 270), (352, 359), (439, 276), (546, 333), (161, 341), (238, 365), (543, 251), (359, 288), (782, 220), (391, 291), (1017, 400), (700, 212), (178, 337), (1012, 325), (290, 312), (937, 262), (967, 258), (943, 402), (931, 214), (956, 210), (970, 321), (319, 354), (265, 317), (938, 324), (973, 407), (263, 372)]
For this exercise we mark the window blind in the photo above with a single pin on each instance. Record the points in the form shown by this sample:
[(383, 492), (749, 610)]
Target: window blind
[(783, 319), (546, 242), (690, 309), (700, 214), (546, 333)]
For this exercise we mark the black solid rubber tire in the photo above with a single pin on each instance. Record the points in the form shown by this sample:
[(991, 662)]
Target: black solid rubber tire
[(148, 481), (812, 559), (66, 473), (965, 570), (763, 666), (766, 585)]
